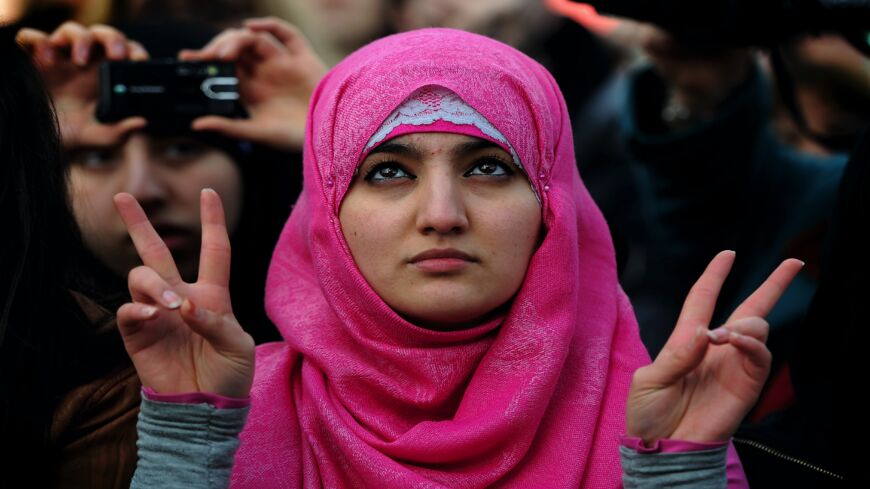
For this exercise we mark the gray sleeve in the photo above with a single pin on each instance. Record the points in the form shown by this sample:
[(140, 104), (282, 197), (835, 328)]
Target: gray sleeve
[(187, 446), (703, 469)]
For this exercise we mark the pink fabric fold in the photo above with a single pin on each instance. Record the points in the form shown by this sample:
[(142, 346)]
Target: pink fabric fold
[(356, 396)]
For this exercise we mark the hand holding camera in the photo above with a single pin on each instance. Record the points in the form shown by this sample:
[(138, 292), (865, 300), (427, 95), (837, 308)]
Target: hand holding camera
[(698, 79), (69, 60), (277, 72)]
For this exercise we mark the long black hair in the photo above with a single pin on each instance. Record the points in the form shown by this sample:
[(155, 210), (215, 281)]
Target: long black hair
[(46, 342)]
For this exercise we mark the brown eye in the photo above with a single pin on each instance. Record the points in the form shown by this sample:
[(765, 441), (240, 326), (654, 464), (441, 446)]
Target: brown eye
[(489, 167), (95, 159), (387, 171)]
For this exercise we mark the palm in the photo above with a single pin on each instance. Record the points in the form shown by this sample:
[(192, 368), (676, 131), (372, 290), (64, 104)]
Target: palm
[(173, 348), (697, 391)]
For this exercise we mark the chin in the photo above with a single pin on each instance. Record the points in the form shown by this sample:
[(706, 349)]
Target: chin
[(447, 316)]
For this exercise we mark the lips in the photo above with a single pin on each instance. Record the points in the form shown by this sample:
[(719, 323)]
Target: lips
[(442, 260), (176, 237)]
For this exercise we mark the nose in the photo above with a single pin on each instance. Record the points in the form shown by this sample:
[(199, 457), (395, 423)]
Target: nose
[(441, 206), (143, 178)]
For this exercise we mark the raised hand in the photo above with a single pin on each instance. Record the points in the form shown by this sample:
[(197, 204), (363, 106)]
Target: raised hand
[(703, 382), (68, 59), (183, 337), (277, 72)]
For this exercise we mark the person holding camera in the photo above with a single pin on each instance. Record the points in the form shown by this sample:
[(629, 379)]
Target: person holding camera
[(251, 162)]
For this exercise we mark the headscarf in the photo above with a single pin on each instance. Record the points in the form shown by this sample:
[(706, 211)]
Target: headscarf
[(356, 396)]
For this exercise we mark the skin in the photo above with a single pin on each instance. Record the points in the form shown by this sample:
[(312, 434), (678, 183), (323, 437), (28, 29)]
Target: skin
[(439, 191), (165, 175)]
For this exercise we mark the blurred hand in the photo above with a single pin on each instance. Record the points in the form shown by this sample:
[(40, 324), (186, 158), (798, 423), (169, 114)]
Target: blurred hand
[(183, 337), (277, 72), (703, 382), (68, 59), (698, 80)]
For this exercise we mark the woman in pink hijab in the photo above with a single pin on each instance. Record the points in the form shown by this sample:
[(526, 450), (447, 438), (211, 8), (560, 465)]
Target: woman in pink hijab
[(446, 290)]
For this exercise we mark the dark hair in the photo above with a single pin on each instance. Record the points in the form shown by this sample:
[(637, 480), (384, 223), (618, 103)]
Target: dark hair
[(45, 339)]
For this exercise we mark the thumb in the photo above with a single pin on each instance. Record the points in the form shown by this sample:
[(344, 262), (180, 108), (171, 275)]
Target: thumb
[(108, 134), (234, 128), (672, 364), (248, 130)]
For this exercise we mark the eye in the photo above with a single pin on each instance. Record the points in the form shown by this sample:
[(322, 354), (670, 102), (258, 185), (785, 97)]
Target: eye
[(490, 166), (387, 171), (180, 150), (94, 159)]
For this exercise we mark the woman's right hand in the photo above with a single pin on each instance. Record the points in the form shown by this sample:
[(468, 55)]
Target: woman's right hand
[(183, 337), (68, 59), (277, 70)]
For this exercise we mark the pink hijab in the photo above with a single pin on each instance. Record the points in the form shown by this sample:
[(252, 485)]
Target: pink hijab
[(358, 397)]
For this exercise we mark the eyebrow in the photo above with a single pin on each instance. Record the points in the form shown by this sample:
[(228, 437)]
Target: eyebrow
[(414, 151)]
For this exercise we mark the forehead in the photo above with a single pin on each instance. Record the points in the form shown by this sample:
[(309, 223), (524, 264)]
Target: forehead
[(422, 145)]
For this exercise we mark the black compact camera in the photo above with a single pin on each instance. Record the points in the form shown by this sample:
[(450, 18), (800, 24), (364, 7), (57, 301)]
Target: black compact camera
[(168, 92)]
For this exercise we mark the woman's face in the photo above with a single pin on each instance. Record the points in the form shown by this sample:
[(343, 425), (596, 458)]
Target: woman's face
[(166, 176), (442, 226)]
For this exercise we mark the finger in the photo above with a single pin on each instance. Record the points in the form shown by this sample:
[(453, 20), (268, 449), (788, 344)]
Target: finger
[(701, 300), (133, 316), (211, 50), (757, 356), (114, 43), (101, 135), (149, 245), (263, 45), (762, 301), (754, 327), (137, 51), (675, 362), (28, 38), (148, 287), (214, 259), (234, 128), (37, 44), (77, 38), (286, 33)]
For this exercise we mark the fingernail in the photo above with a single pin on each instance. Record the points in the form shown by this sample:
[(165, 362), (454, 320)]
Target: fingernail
[(49, 55), (148, 312), (117, 48), (803, 263), (197, 312), (82, 54), (718, 334), (171, 299)]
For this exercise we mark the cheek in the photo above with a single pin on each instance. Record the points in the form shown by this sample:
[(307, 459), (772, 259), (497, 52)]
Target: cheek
[(91, 198), (512, 232), (219, 173), (374, 231)]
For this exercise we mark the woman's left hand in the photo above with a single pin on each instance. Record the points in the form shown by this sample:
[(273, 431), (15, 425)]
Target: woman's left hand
[(703, 383)]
